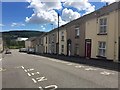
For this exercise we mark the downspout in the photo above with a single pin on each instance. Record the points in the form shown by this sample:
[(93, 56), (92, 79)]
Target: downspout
[(115, 35)]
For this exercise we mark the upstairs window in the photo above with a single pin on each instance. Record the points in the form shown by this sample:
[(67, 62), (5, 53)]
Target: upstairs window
[(103, 26), (62, 36), (53, 37), (77, 32), (46, 40)]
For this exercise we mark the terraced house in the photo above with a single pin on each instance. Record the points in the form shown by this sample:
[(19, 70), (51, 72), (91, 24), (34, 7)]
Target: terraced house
[(45, 43), (1, 43), (62, 40), (30, 43), (53, 41), (76, 37), (95, 35), (40, 47), (102, 36)]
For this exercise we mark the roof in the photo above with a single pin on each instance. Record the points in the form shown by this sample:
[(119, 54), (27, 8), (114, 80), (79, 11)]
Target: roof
[(31, 38)]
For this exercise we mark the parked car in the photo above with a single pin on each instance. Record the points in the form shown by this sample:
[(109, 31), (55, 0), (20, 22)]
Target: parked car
[(22, 50), (8, 51), (31, 51)]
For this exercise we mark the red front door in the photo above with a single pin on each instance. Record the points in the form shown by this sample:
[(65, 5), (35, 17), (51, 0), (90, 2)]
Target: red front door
[(88, 48)]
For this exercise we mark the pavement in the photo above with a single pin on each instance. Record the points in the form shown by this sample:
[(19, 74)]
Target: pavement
[(101, 63), (21, 70)]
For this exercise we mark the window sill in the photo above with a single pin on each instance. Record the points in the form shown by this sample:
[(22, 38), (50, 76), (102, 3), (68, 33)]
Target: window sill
[(102, 34), (76, 37), (62, 40), (101, 57)]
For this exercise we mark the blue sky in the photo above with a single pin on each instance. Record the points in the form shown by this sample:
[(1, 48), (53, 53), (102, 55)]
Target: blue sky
[(14, 15)]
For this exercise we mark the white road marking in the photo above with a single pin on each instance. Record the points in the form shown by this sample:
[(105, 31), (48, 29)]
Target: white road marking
[(63, 62), (25, 70), (40, 79), (90, 69), (79, 66), (30, 69), (35, 73), (40, 88), (34, 80), (51, 87), (18, 67), (0, 59), (70, 64), (106, 73), (2, 69), (22, 67), (29, 74)]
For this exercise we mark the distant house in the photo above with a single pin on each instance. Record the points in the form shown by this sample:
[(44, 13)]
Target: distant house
[(1, 43), (21, 39), (53, 41), (45, 43), (29, 43), (40, 47)]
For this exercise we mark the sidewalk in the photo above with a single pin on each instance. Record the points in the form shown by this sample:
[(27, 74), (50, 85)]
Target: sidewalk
[(110, 65)]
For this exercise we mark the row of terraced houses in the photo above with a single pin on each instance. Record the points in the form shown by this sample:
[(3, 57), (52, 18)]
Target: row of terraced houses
[(95, 35)]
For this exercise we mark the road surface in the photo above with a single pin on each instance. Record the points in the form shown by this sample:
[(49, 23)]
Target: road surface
[(21, 70)]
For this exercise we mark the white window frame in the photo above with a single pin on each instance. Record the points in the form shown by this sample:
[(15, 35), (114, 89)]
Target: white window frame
[(76, 49), (102, 48), (102, 25), (62, 49), (62, 36), (77, 31)]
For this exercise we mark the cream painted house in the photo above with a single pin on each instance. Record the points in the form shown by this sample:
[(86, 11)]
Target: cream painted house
[(29, 42), (63, 40), (1, 44), (103, 33), (45, 43)]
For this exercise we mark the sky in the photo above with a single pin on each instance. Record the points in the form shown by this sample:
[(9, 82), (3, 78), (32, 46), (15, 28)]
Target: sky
[(43, 16)]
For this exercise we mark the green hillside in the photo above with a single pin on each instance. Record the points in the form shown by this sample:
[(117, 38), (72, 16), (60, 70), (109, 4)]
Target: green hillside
[(11, 36)]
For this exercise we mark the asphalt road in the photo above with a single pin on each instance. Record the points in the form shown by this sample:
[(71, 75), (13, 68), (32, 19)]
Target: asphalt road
[(21, 70)]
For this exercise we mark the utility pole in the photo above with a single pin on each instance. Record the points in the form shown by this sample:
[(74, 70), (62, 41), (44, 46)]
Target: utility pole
[(58, 34)]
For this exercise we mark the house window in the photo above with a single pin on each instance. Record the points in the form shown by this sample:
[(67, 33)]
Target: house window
[(76, 49), (53, 36), (62, 36), (103, 26), (46, 40), (102, 49), (77, 32), (49, 39), (62, 48)]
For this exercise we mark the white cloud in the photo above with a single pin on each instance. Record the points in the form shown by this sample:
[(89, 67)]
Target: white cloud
[(17, 24), (80, 5), (42, 17), (44, 12), (44, 5), (109, 1), (1, 25), (69, 14)]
